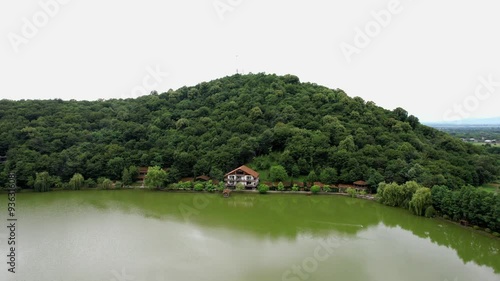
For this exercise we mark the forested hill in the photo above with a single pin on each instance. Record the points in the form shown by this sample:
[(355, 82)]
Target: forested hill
[(216, 126)]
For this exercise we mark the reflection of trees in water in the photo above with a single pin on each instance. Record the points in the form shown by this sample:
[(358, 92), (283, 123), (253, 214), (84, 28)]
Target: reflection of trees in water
[(281, 216), (469, 245)]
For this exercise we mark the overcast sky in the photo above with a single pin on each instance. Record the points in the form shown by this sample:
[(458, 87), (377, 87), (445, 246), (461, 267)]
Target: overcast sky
[(437, 59)]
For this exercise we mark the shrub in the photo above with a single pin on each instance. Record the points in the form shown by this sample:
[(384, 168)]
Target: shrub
[(352, 192), (487, 230), (281, 187), (430, 212), (446, 217), (295, 187), (90, 183), (209, 186), (106, 184), (263, 188), (335, 189), (327, 188), (496, 234), (363, 192), (118, 184), (198, 187), (221, 187), (240, 186), (475, 227), (187, 185), (315, 189)]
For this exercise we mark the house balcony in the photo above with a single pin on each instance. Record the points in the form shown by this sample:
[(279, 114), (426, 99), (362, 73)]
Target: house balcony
[(240, 179), (247, 184)]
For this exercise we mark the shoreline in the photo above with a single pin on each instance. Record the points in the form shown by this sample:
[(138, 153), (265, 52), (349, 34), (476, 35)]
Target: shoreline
[(368, 197)]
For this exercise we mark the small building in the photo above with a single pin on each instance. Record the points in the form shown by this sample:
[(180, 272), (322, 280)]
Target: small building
[(343, 187), (203, 178), (244, 175), (360, 184), (142, 172)]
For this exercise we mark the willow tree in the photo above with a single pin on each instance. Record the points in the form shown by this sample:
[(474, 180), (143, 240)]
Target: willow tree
[(420, 201), (43, 182), (156, 177), (76, 182)]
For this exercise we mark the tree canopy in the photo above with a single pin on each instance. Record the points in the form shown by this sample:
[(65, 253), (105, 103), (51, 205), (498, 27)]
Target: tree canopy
[(213, 127)]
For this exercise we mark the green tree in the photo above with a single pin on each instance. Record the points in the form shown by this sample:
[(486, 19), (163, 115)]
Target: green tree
[(312, 177), (374, 179), (328, 176), (315, 189), (90, 183), (278, 173), (43, 182), (420, 201), (106, 184), (295, 172), (348, 144), (76, 182), (126, 177), (281, 187), (155, 178), (133, 171)]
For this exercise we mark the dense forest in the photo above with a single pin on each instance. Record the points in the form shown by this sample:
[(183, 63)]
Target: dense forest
[(213, 127)]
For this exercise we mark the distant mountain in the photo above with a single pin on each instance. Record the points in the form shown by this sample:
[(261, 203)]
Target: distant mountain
[(494, 121)]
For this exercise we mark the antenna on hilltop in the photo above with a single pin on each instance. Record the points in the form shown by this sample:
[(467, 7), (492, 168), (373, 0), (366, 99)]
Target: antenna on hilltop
[(237, 72)]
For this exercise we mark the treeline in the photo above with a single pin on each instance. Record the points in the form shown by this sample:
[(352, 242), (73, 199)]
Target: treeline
[(468, 204), (213, 127), (477, 207)]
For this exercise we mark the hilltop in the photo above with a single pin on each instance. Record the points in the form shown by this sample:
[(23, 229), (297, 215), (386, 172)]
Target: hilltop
[(215, 126)]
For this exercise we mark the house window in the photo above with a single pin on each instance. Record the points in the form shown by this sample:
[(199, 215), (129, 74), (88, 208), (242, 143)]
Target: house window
[(249, 178)]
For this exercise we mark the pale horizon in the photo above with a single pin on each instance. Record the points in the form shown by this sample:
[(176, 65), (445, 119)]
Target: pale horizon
[(439, 61)]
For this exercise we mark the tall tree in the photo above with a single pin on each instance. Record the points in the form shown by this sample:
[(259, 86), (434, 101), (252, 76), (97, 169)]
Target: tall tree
[(76, 182), (278, 173), (156, 177), (43, 182)]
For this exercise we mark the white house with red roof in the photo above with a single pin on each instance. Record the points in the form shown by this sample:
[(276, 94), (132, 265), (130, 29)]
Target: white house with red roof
[(248, 177)]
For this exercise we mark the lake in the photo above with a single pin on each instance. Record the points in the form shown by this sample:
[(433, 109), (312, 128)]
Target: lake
[(141, 235)]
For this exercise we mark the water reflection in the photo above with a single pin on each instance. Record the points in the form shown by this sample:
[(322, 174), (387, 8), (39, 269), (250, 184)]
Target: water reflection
[(195, 236)]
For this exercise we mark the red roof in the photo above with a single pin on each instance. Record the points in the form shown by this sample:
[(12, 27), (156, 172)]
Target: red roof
[(360, 183), (204, 178), (186, 179), (245, 170)]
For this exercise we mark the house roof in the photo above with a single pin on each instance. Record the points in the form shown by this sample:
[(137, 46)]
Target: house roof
[(246, 170), (360, 183), (204, 178)]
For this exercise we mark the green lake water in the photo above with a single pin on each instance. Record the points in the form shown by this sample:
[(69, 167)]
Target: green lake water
[(140, 235)]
